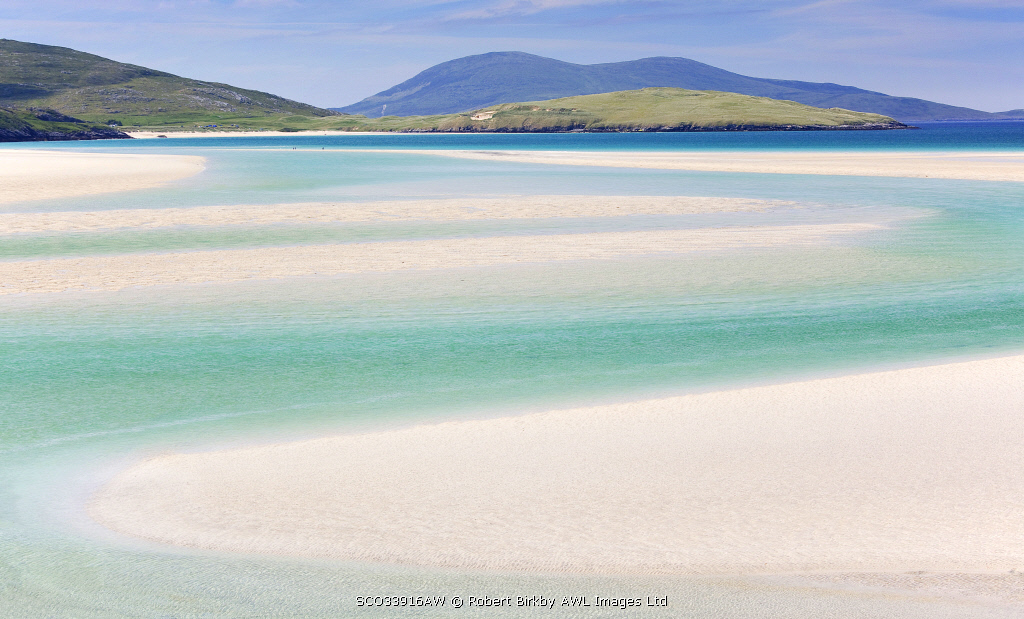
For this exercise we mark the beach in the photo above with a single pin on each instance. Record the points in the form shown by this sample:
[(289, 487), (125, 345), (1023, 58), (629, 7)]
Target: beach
[(41, 175), (783, 389), (906, 470), (145, 135)]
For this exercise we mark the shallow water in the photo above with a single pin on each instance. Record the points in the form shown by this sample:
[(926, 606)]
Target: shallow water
[(94, 380)]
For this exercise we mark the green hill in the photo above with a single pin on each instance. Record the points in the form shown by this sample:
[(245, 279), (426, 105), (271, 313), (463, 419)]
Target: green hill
[(649, 109), (484, 80), (98, 89), (45, 125)]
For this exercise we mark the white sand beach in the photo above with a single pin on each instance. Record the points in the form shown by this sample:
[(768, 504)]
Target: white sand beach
[(145, 135), (965, 165), (39, 175), (455, 209), (128, 270), (894, 471), (848, 482)]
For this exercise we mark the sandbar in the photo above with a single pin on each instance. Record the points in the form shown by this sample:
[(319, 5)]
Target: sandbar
[(964, 165), (40, 175), (452, 209), (128, 270), (891, 471)]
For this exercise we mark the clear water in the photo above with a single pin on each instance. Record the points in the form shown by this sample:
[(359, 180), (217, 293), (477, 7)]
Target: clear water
[(91, 381)]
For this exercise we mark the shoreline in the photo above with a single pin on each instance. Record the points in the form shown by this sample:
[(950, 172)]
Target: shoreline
[(148, 135), (914, 469)]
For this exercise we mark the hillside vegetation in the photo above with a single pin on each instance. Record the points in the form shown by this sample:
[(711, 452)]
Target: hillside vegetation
[(98, 89), (648, 109), (483, 80), (45, 125), (46, 84)]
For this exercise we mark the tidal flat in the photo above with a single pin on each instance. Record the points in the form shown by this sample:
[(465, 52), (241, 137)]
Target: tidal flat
[(276, 382)]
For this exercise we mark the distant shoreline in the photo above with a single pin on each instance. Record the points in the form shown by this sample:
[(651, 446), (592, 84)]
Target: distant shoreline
[(145, 135), (728, 128)]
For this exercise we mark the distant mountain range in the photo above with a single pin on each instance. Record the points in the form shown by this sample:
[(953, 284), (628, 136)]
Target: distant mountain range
[(94, 88), (475, 82)]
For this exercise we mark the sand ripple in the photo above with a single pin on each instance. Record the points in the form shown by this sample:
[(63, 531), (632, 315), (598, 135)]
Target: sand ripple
[(123, 271), (513, 207)]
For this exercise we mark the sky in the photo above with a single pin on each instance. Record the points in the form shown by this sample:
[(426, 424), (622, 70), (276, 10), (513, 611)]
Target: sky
[(333, 53)]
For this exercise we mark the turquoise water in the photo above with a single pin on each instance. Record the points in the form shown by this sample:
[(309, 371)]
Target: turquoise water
[(92, 381)]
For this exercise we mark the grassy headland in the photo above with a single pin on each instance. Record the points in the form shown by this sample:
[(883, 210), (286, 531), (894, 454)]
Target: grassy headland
[(101, 90), (649, 109)]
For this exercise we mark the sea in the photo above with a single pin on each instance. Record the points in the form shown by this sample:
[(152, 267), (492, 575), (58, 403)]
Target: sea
[(92, 381)]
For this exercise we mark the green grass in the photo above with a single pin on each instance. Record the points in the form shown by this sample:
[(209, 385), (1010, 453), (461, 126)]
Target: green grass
[(649, 109), (98, 89), (21, 125)]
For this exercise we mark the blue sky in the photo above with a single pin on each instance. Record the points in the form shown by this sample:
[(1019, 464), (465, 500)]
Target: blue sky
[(333, 53)]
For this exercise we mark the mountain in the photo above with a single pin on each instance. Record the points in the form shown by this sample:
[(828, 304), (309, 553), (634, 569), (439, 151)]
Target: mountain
[(99, 89), (45, 125), (648, 109), (475, 82)]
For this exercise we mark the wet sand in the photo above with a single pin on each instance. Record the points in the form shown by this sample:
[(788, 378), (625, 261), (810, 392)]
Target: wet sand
[(456, 209), (887, 472), (124, 271), (983, 166), (39, 175)]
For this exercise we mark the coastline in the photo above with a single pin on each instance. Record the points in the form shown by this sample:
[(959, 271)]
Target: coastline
[(147, 135), (887, 472)]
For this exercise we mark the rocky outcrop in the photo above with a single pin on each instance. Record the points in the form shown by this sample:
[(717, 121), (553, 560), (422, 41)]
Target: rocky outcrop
[(28, 134), (37, 125)]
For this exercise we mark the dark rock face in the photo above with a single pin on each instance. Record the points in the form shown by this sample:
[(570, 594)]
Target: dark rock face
[(28, 134), (43, 125), (54, 116)]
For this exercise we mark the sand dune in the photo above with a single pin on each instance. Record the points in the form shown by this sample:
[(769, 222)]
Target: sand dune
[(39, 175), (914, 469), (984, 166), (123, 271), (512, 207)]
